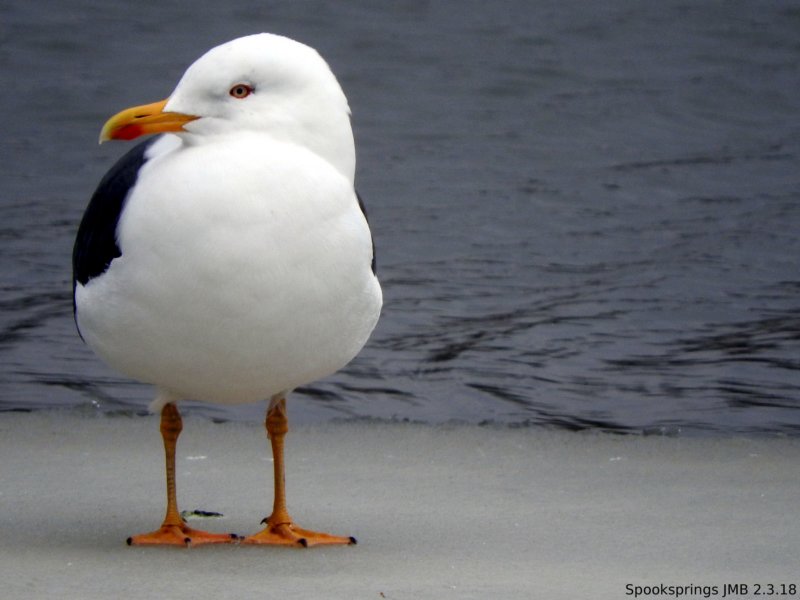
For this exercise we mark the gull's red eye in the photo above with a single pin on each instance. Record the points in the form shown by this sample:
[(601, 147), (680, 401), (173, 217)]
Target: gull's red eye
[(241, 90)]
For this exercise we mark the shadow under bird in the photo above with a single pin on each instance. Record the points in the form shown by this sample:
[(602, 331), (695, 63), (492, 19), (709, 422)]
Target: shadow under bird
[(229, 259)]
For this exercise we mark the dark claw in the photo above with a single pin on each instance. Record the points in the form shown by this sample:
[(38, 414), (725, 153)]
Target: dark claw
[(303, 542), (187, 541), (236, 537), (264, 520), (353, 541), (129, 541)]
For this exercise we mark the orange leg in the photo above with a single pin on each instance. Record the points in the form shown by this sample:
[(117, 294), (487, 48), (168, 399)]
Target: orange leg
[(280, 529), (174, 531)]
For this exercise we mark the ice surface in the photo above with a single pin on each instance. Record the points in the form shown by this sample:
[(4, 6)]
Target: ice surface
[(439, 512)]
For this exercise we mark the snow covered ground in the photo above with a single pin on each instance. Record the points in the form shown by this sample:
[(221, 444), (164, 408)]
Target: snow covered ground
[(439, 512)]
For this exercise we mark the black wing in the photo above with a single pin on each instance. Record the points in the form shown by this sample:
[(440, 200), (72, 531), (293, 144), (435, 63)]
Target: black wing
[(96, 242), (364, 210)]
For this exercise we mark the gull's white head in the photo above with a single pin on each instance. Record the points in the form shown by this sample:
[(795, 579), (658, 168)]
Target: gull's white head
[(262, 83)]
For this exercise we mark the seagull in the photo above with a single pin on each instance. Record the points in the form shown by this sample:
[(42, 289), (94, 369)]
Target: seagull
[(229, 259)]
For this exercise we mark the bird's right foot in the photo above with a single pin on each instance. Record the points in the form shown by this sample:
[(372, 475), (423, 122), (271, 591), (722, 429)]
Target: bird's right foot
[(181, 535)]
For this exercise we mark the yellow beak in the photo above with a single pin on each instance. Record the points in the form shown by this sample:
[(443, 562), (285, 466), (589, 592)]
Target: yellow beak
[(141, 120)]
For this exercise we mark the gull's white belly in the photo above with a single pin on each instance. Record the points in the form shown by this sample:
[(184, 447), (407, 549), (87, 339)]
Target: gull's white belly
[(238, 284)]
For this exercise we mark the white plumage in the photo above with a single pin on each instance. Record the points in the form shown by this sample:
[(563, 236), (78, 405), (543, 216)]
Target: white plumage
[(245, 258)]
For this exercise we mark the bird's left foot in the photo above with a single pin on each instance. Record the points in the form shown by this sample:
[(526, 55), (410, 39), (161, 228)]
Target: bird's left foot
[(288, 534)]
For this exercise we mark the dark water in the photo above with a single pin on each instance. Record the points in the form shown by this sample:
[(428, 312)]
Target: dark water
[(586, 214)]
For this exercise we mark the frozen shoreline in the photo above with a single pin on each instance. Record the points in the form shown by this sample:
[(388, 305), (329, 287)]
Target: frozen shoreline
[(439, 512)]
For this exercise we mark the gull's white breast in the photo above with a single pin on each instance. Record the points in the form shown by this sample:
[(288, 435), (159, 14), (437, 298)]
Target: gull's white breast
[(245, 272)]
